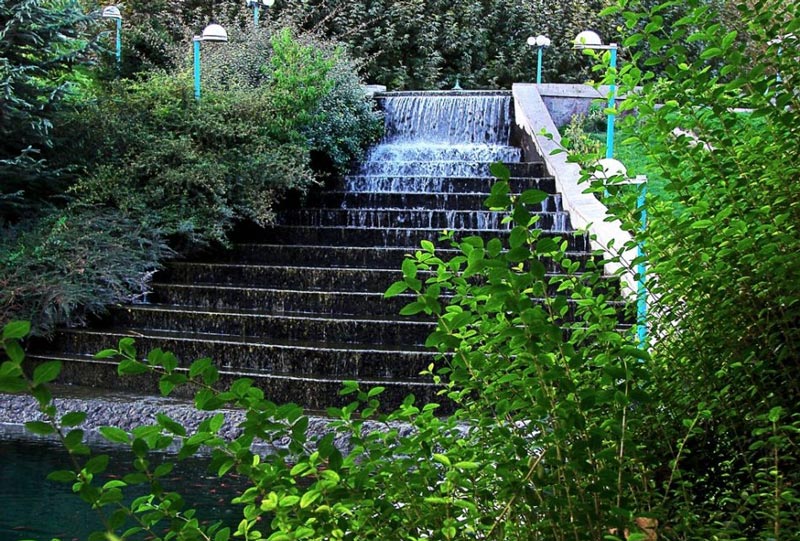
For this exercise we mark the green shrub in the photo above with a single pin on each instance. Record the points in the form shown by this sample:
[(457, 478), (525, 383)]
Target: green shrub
[(41, 42), (70, 265), (187, 170), (191, 170), (722, 250)]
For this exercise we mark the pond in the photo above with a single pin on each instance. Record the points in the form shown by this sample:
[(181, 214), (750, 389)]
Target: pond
[(31, 507)]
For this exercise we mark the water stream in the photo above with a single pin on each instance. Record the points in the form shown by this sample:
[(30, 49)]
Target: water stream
[(437, 135)]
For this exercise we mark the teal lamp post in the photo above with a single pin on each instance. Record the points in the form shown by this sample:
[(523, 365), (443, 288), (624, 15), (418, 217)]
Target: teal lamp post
[(112, 12), (590, 40), (212, 32), (256, 5), (540, 42), (610, 168)]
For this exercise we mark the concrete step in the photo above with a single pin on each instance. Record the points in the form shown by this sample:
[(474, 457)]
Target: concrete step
[(425, 219), (274, 327), (408, 238), (309, 389), (333, 199), (318, 306), (439, 184)]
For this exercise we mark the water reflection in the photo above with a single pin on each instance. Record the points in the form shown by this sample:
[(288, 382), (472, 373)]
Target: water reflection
[(35, 508)]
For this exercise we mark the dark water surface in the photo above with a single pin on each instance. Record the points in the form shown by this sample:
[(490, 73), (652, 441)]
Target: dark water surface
[(31, 507)]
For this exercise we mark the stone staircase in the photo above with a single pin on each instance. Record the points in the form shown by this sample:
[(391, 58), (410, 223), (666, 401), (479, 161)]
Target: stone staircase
[(299, 307)]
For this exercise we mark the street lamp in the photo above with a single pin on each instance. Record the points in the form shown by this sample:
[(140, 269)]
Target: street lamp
[(256, 4), (212, 32), (590, 40), (606, 169), (112, 12), (540, 42)]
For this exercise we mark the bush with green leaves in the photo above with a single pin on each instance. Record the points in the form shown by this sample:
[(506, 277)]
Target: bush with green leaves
[(722, 250), (190, 170), (67, 266), (148, 156), (408, 45), (41, 42)]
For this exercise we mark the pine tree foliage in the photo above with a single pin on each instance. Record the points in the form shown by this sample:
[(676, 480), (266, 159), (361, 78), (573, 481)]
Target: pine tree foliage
[(39, 43)]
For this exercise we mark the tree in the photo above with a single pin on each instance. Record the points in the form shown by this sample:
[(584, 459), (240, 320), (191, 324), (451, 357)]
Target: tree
[(41, 42)]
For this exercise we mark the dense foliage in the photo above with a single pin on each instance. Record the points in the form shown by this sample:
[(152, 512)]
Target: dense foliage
[(40, 42), (158, 167), (73, 263), (722, 131), (404, 45), (410, 44)]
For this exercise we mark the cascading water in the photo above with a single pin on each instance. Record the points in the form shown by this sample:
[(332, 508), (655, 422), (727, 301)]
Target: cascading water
[(437, 135)]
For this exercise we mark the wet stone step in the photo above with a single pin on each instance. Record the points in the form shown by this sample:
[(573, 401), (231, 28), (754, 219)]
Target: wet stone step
[(312, 393), (314, 255), (267, 300), (241, 355), (405, 237), (450, 184), (388, 258), (303, 278), (429, 152), (414, 200), (263, 327), (277, 301), (426, 219), (449, 169)]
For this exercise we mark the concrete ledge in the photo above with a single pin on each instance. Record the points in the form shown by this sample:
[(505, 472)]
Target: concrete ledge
[(533, 119), (564, 101)]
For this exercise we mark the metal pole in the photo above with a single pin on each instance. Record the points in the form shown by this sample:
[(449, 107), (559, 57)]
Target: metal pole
[(641, 294), (119, 42), (612, 102), (196, 43), (255, 14), (539, 67)]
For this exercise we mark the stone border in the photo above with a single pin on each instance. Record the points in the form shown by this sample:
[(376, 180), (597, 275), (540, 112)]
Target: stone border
[(533, 120)]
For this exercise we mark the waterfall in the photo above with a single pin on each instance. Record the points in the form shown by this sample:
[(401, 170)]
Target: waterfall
[(439, 135)]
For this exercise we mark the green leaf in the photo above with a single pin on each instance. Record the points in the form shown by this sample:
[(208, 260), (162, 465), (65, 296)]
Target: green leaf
[(199, 366), (702, 224), (97, 464), (73, 440), (40, 428), (14, 351), (73, 418), (395, 289), (15, 330), (500, 171), (533, 197), (114, 434), (412, 309), (289, 501), (223, 535), (106, 354), (170, 425), (46, 372), (62, 476), (130, 367), (308, 498), (409, 268), (10, 384)]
